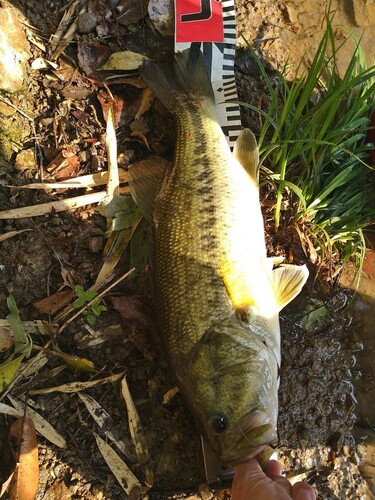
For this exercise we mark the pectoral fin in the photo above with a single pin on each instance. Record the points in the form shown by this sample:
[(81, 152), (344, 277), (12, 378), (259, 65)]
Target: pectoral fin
[(246, 152), (144, 181), (288, 281)]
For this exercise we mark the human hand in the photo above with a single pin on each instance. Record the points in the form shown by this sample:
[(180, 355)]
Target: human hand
[(251, 483)]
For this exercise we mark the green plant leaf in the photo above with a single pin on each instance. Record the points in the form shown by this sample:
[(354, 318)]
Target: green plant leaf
[(22, 341)]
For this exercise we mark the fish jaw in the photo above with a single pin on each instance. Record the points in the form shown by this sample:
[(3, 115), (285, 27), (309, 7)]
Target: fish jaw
[(258, 432)]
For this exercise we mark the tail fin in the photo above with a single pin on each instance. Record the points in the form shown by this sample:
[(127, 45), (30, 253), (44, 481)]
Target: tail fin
[(185, 76)]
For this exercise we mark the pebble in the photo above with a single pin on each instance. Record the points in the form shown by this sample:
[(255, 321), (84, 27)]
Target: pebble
[(25, 160), (14, 52)]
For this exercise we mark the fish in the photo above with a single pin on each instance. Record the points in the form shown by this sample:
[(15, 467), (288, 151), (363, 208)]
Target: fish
[(217, 295)]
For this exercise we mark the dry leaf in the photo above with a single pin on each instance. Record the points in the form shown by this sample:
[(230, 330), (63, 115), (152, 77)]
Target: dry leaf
[(131, 11), (42, 426), (12, 234), (135, 425), (91, 56), (132, 308), (50, 305), (147, 99), (102, 418), (54, 206), (170, 395), (65, 165), (76, 362), (114, 104), (27, 369), (78, 386), (135, 312), (124, 61), (25, 481), (136, 82), (6, 340), (121, 471), (8, 371), (84, 181)]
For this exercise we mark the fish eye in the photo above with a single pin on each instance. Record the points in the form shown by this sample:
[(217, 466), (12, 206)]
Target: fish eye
[(219, 424)]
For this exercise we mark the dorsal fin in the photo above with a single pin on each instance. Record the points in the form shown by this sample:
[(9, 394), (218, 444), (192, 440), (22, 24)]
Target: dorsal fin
[(246, 152), (144, 181)]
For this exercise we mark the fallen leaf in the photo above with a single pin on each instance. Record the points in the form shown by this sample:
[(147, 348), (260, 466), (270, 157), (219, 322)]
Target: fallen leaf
[(135, 313), (78, 386), (42, 426), (65, 165), (25, 481), (6, 340), (66, 29), (36, 327), (6, 484), (135, 82), (76, 362), (27, 369), (170, 395), (54, 206), (131, 11), (124, 61), (91, 56), (84, 181), (102, 418), (121, 471), (22, 341), (147, 99), (50, 305), (8, 371), (132, 308), (135, 425), (12, 234), (58, 490)]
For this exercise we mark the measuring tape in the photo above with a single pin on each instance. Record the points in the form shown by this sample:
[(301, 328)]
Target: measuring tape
[(211, 24)]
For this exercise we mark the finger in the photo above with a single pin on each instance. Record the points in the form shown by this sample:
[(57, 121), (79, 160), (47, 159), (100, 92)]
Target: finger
[(273, 468), (303, 491), (284, 483), (251, 468)]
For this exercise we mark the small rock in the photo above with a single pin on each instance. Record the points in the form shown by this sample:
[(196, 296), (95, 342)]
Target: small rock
[(161, 13), (25, 160), (6, 110), (87, 21), (14, 52)]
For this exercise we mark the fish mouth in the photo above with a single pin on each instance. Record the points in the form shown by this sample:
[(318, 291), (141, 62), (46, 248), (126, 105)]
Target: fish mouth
[(255, 432)]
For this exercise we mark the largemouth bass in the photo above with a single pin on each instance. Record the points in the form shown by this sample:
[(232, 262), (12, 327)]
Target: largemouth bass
[(217, 297)]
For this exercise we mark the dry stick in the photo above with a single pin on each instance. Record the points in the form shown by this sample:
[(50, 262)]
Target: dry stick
[(53, 206), (106, 290), (111, 144), (6, 101)]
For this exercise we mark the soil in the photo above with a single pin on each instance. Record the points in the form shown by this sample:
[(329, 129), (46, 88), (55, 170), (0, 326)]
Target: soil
[(320, 339)]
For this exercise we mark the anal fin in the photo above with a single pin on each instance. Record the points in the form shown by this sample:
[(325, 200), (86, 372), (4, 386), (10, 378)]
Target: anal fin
[(288, 281)]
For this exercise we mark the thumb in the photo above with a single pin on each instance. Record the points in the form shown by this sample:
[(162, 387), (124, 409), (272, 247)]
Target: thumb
[(252, 483)]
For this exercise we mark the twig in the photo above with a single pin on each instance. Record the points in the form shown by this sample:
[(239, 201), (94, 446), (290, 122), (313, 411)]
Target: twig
[(106, 290), (17, 109)]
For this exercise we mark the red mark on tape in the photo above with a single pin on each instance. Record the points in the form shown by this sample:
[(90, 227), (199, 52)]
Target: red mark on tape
[(199, 21)]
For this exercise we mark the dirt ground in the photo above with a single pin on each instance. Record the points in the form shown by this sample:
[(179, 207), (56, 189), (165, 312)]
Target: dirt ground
[(320, 335)]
